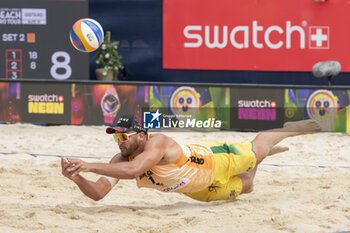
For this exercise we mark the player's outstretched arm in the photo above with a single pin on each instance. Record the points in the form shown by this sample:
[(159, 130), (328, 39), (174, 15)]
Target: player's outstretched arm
[(94, 190), (151, 155)]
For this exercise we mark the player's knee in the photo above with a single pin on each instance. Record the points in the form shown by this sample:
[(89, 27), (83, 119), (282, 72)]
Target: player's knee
[(260, 150), (247, 183), (248, 188)]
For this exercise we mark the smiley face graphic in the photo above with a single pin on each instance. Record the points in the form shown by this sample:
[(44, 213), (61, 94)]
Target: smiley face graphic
[(185, 101)]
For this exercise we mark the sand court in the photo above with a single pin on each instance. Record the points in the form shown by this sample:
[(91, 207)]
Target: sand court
[(305, 189)]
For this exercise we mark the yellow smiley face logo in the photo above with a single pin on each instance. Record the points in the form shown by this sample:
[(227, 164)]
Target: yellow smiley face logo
[(185, 101), (322, 105)]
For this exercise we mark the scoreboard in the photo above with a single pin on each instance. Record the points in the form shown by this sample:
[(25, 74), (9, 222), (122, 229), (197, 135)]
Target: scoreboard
[(34, 40)]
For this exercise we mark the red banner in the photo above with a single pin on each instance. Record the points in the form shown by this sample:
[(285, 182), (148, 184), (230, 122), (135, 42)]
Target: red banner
[(271, 35)]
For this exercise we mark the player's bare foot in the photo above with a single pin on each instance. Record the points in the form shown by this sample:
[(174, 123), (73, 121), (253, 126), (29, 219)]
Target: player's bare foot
[(278, 149), (303, 127)]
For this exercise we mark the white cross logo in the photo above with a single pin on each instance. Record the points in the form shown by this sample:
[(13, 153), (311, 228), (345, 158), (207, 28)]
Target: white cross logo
[(319, 37)]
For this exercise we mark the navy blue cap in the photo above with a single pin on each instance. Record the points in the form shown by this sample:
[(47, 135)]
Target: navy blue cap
[(127, 123)]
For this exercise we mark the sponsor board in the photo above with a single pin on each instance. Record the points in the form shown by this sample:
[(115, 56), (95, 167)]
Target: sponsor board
[(256, 108), (191, 104), (327, 106), (46, 104)]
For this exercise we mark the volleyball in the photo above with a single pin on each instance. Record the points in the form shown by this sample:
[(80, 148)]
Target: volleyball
[(86, 35)]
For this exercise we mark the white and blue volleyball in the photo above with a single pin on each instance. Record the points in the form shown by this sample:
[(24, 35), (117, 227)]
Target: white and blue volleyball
[(86, 35)]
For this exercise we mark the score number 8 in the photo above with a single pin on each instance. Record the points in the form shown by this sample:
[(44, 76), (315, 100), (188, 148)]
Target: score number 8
[(60, 64)]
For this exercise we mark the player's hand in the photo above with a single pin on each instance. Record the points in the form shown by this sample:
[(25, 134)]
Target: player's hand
[(76, 166), (65, 165)]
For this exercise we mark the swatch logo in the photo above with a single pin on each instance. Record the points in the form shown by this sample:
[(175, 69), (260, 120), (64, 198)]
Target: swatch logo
[(223, 36), (46, 104), (257, 110)]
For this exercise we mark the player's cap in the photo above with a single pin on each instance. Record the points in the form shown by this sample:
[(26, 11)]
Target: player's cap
[(127, 123)]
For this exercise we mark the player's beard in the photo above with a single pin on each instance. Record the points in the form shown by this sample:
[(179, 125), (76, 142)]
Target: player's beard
[(129, 151)]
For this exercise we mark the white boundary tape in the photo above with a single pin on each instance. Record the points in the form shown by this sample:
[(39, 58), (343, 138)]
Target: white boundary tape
[(53, 155), (95, 157)]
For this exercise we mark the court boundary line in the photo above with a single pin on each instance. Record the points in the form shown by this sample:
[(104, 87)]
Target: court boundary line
[(104, 157), (56, 155)]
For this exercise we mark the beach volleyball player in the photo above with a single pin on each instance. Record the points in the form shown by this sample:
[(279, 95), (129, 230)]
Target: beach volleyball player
[(205, 171)]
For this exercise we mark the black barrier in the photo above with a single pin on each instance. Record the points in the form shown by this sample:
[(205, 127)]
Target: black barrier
[(174, 106)]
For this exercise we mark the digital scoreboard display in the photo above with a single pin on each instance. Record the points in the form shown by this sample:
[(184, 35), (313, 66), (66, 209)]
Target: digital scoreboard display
[(34, 40)]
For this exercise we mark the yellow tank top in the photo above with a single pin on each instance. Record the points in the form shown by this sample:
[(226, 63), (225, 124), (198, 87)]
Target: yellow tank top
[(193, 171)]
